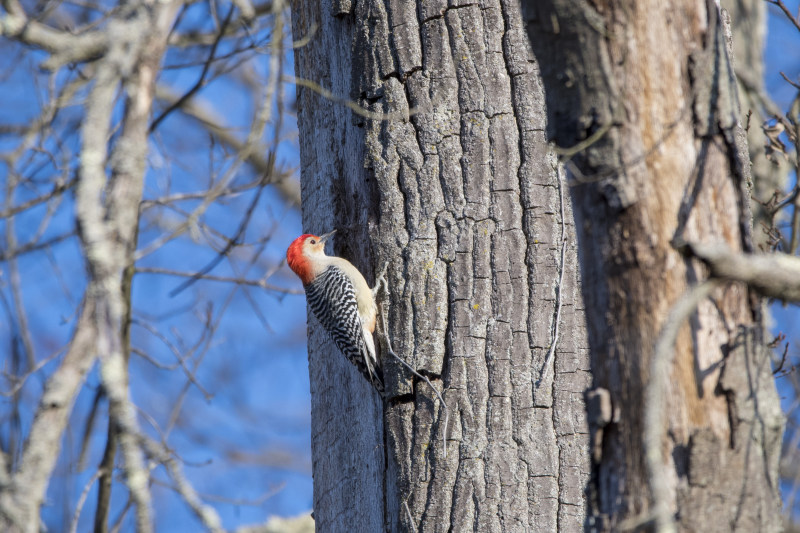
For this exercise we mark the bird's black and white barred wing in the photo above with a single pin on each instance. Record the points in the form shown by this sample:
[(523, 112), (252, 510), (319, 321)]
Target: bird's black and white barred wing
[(332, 299)]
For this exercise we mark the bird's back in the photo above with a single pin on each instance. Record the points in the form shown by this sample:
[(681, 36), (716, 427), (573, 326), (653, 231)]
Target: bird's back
[(332, 298)]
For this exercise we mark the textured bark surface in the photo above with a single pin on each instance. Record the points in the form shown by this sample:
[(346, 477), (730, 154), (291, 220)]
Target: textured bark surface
[(455, 187), (649, 84)]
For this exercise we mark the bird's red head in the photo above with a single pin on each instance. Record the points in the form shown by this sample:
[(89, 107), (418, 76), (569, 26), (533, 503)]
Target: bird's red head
[(302, 252)]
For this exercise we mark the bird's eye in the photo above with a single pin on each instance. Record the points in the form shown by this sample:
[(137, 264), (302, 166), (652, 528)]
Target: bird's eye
[(313, 241)]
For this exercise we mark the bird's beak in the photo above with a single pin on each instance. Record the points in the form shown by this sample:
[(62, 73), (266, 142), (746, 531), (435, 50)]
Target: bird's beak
[(326, 236)]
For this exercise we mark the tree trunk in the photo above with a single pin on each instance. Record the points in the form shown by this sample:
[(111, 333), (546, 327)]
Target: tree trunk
[(646, 93), (443, 172)]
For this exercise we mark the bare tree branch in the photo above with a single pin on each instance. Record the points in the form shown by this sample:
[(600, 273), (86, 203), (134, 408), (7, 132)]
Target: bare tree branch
[(110, 240), (774, 275), (207, 515), (65, 47), (21, 499), (224, 279), (286, 182), (655, 403), (201, 80)]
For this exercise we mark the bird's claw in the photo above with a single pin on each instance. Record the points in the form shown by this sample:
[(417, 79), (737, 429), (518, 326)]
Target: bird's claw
[(381, 280)]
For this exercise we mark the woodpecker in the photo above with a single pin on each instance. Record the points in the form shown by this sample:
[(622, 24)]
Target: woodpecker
[(341, 300)]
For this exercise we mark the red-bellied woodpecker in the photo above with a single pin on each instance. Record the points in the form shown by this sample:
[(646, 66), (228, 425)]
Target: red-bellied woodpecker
[(341, 300)]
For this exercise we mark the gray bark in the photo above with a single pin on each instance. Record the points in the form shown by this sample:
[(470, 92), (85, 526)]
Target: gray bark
[(455, 187), (646, 90)]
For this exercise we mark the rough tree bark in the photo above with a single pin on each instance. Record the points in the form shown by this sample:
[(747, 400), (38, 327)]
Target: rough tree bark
[(648, 90), (447, 177)]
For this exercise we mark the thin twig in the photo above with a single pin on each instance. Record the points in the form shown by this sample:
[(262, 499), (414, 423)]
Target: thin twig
[(73, 528), (19, 381), (117, 525), (410, 517), (223, 279), (783, 360), (794, 20), (176, 352), (88, 429), (235, 240), (196, 195), (207, 514), (198, 111), (584, 144), (33, 246), (239, 502), (200, 81), (557, 319), (566, 154), (354, 106), (790, 82), (210, 327), (23, 206)]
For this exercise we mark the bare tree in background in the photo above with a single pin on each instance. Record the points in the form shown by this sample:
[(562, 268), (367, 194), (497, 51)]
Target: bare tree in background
[(662, 199), (782, 204), (95, 124)]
